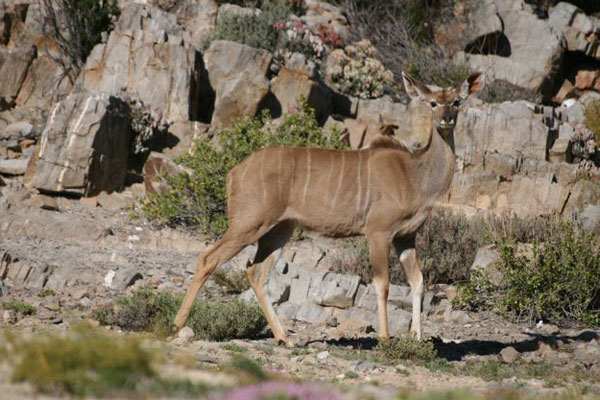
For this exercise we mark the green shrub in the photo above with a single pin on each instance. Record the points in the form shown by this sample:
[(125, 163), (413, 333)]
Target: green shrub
[(499, 91), (148, 310), (78, 362), (257, 30), (406, 347), (77, 26), (19, 306), (199, 200), (559, 282)]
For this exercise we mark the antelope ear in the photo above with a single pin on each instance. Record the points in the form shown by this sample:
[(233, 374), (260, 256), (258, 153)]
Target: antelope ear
[(415, 89), (472, 84)]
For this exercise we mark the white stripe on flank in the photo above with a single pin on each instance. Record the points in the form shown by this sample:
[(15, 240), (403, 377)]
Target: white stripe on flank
[(368, 182), (307, 176), (359, 194), (262, 174), (279, 172), (337, 189)]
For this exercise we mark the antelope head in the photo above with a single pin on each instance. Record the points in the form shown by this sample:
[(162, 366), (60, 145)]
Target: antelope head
[(444, 103)]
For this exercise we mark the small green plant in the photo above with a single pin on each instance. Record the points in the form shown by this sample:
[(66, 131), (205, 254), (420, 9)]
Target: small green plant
[(199, 200), (252, 370), (19, 306), (77, 26), (256, 30), (234, 282), (46, 293), (151, 311), (351, 375), (78, 362), (500, 91), (406, 347), (235, 348)]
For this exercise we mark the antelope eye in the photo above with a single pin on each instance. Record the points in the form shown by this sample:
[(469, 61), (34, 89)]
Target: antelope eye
[(433, 104), (456, 103)]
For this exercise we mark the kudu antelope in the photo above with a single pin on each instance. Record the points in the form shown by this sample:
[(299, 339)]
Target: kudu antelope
[(385, 192)]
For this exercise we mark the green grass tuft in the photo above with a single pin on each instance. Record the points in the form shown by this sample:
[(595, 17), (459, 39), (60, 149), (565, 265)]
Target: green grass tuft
[(19, 306), (406, 347)]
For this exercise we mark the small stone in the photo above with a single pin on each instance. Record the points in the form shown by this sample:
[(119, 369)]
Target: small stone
[(85, 302), (545, 350), (362, 366), (332, 322), (549, 329), (125, 277), (9, 317), (80, 294), (43, 202), (186, 334), (323, 355), (509, 355)]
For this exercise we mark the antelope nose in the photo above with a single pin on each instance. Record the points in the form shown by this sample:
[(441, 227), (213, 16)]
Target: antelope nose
[(448, 120)]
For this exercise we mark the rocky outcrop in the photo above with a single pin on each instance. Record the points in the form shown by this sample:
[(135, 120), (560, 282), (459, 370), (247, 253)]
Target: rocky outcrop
[(238, 75), (85, 146)]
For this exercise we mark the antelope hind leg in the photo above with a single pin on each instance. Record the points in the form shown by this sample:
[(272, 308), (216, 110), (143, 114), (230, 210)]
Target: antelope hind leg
[(267, 255), (221, 252)]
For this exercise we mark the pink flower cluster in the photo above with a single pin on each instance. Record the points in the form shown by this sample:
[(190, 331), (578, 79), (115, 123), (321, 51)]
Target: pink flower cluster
[(281, 390)]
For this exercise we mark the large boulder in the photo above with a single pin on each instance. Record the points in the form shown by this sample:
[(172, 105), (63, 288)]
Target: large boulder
[(298, 78), (14, 66), (579, 30), (85, 146), (238, 75), (507, 128), (507, 54), (151, 64)]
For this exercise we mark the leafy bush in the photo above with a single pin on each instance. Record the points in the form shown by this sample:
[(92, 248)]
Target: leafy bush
[(499, 91), (255, 30), (19, 306), (406, 347), (77, 26), (356, 71), (402, 31), (78, 362), (559, 282), (147, 310), (199, 200)]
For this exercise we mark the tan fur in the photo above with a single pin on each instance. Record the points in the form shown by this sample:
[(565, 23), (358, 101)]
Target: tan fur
[(384, 192)]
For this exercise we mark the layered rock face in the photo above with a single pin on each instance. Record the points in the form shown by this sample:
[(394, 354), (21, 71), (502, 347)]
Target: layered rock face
[(77, 137)]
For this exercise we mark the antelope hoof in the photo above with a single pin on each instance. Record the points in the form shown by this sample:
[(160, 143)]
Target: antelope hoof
[(285, 342)]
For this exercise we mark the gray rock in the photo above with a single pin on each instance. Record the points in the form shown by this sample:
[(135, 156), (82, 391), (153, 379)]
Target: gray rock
[(85, 146), (15, 166), (186, 334), (125, 277), (19, 130), (299, 289), (485, 262), (399, 321), (339, 290), (199, 17), (362, 366), (237, 73), (312, 313), (509, 355), (5, 290), (323, 355), (13, 71)]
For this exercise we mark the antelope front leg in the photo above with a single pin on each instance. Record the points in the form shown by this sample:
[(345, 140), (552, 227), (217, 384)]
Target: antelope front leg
[(412, 270), (379, 248)]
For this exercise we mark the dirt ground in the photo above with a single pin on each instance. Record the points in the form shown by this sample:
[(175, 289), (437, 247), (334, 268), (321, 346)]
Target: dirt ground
[(72, 251)]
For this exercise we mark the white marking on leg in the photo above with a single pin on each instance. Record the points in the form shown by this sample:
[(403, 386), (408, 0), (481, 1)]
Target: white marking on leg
[(307, 176), (339, 185)]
